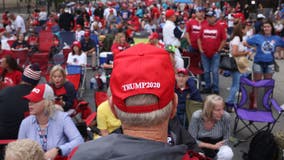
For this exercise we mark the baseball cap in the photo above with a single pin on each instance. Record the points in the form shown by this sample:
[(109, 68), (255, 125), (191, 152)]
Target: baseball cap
[(199, 9), (183, 71), (40, 92), (154, 35), (142, 69), (76, 43), (170, 13), (211, 14), (87, 34), (260, 15)]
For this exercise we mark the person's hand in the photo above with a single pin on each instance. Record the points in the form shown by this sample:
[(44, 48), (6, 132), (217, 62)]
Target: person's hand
[(218, 145), (51, 154)]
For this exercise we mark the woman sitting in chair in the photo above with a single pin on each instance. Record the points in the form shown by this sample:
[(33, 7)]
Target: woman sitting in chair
[(63, 89), (53, 129), (119, 43), (20, 44), (77, 56), (211, 128), (11, 73)]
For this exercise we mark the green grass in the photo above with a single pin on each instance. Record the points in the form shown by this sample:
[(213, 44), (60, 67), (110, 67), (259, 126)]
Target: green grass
[(140, 40)]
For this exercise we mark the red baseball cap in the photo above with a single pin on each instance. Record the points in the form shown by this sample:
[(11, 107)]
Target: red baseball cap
[(170, 13), (40, 92), (76, 43), (87, 34), (183, 71), (154, 35), (142, 69)]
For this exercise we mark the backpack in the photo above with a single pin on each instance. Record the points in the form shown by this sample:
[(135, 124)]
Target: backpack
[(262, 147)]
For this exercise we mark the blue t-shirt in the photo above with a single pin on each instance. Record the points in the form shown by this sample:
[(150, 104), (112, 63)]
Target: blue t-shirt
[(265, 47)]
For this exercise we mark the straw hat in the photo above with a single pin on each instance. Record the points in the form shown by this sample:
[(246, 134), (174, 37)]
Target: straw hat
[(242, 63)]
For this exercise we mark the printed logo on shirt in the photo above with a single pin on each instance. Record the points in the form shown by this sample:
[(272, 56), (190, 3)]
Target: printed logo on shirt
[(210, 33), (267, 47), (196, 28)]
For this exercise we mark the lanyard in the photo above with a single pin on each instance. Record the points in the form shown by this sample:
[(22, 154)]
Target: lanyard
[(43, 137)]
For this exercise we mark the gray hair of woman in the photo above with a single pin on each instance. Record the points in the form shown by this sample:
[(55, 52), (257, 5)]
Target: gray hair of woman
[(209, 105), (24, 149)]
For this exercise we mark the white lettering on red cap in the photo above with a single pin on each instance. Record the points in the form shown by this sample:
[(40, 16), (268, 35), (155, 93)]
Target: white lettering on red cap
[(140, 85), (36, 90)]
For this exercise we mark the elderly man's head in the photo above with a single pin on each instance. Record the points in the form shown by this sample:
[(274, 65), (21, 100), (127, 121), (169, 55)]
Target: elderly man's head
[(142, 84)]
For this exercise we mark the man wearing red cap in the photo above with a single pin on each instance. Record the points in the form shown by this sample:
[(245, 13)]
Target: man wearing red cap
[(170, 38), (211, 41), (144, 103), (89, 47), (108, 10)]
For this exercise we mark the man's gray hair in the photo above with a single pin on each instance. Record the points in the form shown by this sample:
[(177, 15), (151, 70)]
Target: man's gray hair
[(143, 119)]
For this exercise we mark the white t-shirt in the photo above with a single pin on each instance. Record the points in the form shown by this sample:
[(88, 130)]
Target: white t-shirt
[(77, 59), (42, 16), (79, 35), (237, 41), (19, 23)]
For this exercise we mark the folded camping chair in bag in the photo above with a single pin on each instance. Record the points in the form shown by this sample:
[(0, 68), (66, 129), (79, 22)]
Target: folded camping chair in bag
[(259, 93), (78, 70)]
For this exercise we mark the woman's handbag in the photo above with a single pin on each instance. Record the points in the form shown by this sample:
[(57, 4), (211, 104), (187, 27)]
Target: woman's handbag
[(228, 62)]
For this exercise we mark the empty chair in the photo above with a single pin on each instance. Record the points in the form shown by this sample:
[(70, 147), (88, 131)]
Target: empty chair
[(67, 37), (259, 94)]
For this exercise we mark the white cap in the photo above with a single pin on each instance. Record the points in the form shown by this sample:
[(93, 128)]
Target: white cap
[(260, 15)]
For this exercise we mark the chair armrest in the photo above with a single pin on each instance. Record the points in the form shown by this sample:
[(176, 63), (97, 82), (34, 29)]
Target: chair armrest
[(276, 106)]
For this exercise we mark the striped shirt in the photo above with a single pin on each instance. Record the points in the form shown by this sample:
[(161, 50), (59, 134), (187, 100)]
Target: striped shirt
[(220, 129)]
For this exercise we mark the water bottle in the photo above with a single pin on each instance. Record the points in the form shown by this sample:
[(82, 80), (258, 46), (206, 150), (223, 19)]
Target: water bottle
[(93, 83)]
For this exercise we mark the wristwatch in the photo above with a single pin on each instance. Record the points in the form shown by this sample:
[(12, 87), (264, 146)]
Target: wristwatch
[(59, 151)]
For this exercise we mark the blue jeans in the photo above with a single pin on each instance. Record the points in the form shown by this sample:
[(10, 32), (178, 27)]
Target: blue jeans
[(211, 65), (234, 87)]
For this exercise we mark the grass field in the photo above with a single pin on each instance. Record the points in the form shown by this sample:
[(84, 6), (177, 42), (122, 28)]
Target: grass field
[(140, 40)]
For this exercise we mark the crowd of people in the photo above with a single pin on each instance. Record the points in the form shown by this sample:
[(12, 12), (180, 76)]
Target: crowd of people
[(154, 107)]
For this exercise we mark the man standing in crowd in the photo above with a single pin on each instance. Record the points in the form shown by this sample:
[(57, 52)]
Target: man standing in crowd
[(13, 107), (89, 47), (170, 38), (18, 23), (144, 103), (211, 40), (66, 20)]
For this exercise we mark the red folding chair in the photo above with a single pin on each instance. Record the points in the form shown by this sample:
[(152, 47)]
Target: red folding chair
[(21, 57), (45, 41), (100, 97), (42, 60)]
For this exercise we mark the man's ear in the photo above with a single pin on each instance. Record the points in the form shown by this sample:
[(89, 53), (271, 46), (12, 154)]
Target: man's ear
[(174, 106), (112, 106)]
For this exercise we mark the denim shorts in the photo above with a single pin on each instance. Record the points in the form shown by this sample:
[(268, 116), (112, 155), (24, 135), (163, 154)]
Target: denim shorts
[(263, 67)]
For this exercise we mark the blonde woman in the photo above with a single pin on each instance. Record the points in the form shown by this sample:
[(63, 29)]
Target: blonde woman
[(119, 43), (211, 128), (53, 129), (24, 149), (64, 90)]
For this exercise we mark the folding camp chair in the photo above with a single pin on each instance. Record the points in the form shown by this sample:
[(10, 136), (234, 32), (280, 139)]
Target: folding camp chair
[(42, 60), (260, 118), (21, 57), (78, 70), (45, 41), (67, 37)]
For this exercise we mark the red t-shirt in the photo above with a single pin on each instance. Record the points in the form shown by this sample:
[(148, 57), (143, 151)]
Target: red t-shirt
[(193, 28), (12, 78), (116, 48), (211, 37), (223, 23)]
